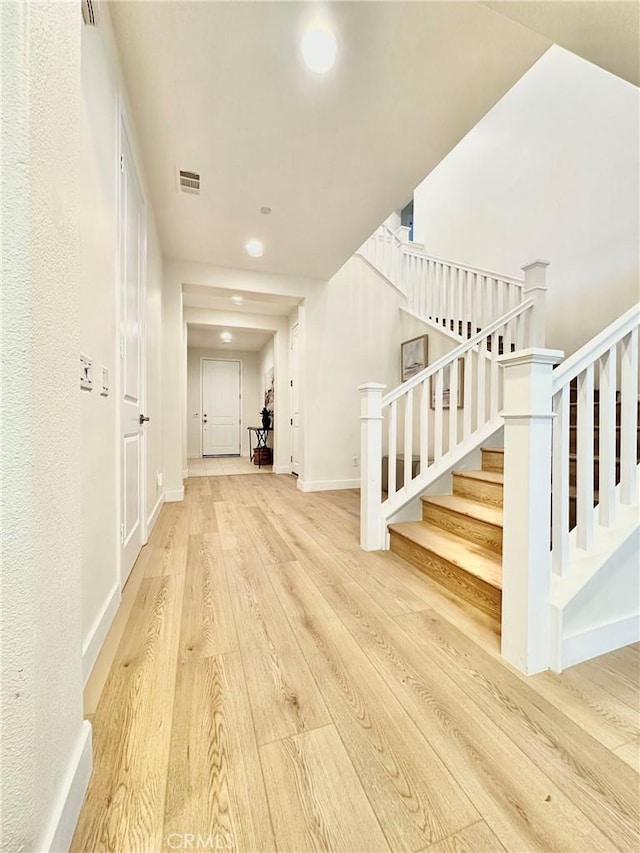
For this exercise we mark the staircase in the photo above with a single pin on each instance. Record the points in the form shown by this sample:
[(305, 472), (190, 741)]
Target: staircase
[(544, 536), (459, 540), (458, 543)]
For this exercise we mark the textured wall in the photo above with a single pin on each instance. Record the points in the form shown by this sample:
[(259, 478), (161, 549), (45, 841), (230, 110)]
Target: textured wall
[(41, 607)]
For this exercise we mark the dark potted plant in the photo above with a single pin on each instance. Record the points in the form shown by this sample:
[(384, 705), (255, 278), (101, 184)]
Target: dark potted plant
[(266, 418)]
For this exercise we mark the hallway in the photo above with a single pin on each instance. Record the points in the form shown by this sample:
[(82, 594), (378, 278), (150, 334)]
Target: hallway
[(276, 687)]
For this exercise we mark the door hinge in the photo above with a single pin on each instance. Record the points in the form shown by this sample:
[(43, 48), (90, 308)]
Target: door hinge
[(292, 383), (122, 533), (122, 162), (292, 458), (291, 421)]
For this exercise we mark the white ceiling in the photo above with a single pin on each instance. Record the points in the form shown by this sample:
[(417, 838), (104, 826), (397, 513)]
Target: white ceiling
[(218, 88), (605, 33), (201, 336), (219, 299)]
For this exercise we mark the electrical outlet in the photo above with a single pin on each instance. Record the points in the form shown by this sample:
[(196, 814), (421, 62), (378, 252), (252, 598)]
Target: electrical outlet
[(159, 479), (356, 461)]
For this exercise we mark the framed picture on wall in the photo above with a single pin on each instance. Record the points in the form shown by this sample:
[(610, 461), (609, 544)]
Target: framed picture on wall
[(269, 389), (413, 356), (446, 387)]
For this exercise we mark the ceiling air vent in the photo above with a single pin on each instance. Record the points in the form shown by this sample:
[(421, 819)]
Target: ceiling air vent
[(89, 13), (189, 182)]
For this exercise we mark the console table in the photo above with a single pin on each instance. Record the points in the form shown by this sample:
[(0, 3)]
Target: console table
[(261, 455)]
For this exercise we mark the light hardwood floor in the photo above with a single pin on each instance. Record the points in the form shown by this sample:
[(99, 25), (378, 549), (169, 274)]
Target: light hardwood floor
[(267, 685), (218, 466)]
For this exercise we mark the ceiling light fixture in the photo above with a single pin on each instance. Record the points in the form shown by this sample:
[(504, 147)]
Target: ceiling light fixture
[(237, 299), (319, 49), (265, 210), (227, 337), (254, 248)]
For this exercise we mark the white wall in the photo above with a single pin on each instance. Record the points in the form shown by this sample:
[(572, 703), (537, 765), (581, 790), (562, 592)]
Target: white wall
[(251, 394), (103, 98), (352, 337), (551, 172), (46, 747)]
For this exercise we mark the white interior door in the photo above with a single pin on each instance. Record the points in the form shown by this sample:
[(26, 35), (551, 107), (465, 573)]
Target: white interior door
[(220, 408), (132, 248), (295, 402)]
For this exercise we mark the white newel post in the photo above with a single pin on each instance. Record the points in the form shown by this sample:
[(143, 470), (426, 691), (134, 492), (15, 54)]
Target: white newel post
[(402, 233), (371, 465), (526, 550), (535, 287)]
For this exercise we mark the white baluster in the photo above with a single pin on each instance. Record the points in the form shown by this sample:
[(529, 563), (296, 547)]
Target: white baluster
[(453, 405), (495, 375), (393, 445), (629, 418), (371, 527), (607, 439), (437, 417), (408, 437), (424, 426), (526, 563), (560, 482), (535, 287), (467, 399), (584, 461), (482, 384)]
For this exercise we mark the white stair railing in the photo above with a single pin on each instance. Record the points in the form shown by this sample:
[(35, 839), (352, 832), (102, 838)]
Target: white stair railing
[(610, 360), (442, 412), (549, 523), (459, 298)]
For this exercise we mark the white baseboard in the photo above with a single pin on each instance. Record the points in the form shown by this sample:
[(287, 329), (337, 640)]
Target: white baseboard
[(185, 473), (327, 485), (173, 497), (155, 512), (63, 821), (598, 641), (99, 630), (282, 469)]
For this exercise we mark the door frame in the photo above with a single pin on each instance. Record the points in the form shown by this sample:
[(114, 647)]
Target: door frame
[(239, 362), (294, 327), (124, 130)]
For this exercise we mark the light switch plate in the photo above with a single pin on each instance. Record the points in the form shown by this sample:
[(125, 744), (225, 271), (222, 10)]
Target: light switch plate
[(86, 373), (104, 389)]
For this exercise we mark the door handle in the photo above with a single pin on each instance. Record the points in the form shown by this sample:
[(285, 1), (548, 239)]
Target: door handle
[(143, 419)]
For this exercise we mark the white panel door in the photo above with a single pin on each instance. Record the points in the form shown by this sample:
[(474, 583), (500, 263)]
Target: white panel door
[(220, 408), (132, 248), (295, 402)]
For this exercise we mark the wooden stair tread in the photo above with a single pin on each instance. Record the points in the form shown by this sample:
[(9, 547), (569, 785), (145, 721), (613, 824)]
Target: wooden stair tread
[(486, 476), (493, 449), (467, 507), (471, 558)]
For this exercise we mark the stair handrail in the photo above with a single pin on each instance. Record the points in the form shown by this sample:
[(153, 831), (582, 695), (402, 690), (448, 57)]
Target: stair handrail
[(408, 249), (550, 493), (595, 348), (617, 342), (471, 368), (455, 296), (457, 352)]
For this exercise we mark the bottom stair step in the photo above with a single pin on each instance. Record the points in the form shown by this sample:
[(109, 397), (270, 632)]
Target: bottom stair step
[(470, 571)]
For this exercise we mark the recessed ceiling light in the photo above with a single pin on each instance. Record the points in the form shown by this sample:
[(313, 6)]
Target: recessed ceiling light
[(227, 337), (237, 299), (265, 210), (319, 49), (254, 248)]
